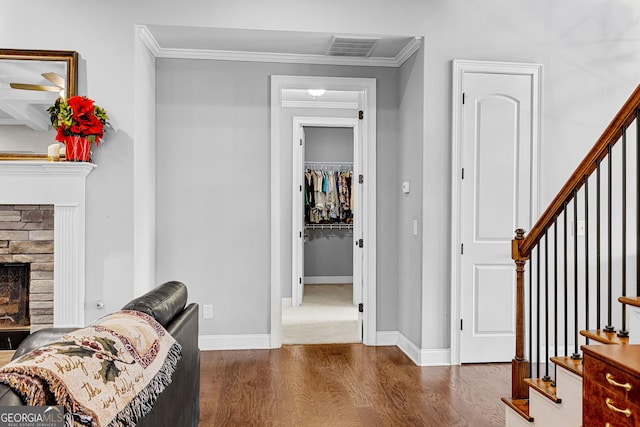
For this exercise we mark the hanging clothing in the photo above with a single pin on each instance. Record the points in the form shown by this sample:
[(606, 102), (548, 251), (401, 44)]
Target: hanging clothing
[(328, 195)]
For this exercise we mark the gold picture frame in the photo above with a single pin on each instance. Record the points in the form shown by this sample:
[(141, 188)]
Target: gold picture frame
[(63, 59)]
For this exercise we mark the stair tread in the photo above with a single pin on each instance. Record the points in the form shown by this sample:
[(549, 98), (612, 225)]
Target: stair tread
[(634, 301), (546, 388), (569, 363), (521, 406), (604, 337)]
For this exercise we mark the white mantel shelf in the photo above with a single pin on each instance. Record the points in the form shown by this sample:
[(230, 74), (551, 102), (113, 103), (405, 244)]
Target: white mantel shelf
[(61, 184), (21, 167)]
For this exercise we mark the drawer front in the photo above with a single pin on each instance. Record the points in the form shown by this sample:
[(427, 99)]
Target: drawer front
[(596, 412), (607, 375)]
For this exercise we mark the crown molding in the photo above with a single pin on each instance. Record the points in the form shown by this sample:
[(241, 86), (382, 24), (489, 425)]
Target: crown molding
[(225, 55), (147, 38), (321, 104), (411, 48)]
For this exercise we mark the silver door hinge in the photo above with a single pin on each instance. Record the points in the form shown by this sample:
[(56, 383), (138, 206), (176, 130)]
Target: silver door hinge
[(360, 179)]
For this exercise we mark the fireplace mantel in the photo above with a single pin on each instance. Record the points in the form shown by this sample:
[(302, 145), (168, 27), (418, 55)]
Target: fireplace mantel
[(61, 184)]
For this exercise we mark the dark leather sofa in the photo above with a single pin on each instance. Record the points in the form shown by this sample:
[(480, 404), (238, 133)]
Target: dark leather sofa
[(179, 403)]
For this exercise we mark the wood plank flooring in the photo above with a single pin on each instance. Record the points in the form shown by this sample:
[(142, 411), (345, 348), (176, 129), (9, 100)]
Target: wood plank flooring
[(346, 385)]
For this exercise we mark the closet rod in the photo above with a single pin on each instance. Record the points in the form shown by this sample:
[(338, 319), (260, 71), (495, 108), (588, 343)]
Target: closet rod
[(329, 164)]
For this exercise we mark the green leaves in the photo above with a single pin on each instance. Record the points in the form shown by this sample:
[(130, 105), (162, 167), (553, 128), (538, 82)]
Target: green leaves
[(109, 371), (108, 345)]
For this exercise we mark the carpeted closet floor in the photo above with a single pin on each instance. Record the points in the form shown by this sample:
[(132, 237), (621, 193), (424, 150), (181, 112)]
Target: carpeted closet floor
[(326, 316)]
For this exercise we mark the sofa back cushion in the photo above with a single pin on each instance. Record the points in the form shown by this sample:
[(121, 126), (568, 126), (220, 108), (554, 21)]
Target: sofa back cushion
[(163, 302)]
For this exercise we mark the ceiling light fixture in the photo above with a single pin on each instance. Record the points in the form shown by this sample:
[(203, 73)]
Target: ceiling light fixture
[(316, 92)]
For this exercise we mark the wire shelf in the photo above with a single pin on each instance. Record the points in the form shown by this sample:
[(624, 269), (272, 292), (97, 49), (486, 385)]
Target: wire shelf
[(332, 226)]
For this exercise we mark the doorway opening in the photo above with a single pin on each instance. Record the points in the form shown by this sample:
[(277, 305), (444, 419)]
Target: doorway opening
[(358, 113), (326, 274)]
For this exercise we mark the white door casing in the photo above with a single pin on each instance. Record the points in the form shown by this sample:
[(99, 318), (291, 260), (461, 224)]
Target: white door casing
[(367, 89), (297, 274), (495, 148)]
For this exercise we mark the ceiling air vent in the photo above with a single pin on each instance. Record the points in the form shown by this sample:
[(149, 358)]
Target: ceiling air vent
[(360, 47)]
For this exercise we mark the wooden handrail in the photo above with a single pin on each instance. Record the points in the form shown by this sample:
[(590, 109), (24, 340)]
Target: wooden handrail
[(522, 246), (610, 136)]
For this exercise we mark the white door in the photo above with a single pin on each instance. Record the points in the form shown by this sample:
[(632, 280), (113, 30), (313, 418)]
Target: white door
[(358, 232), (297, 294), (496, 177)]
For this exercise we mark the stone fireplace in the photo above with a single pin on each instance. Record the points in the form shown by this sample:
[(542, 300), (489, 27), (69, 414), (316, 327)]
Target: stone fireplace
[(53, 192), (26, 266)]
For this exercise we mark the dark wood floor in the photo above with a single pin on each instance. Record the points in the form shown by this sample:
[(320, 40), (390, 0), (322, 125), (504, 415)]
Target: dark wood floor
[(346, 385)]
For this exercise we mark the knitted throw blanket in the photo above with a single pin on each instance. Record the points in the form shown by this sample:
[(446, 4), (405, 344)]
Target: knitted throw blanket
[(107, 374)]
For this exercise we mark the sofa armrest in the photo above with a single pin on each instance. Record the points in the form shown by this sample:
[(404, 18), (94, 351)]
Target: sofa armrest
[(179, 403), (162, 303)]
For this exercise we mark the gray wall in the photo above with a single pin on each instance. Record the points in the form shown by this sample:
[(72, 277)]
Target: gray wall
[(590, 50), (213, 184), (328, 144), (410, 146), (328, 252)]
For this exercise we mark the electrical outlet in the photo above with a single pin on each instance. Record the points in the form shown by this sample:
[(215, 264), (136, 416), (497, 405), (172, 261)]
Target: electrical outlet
[(207, 311)]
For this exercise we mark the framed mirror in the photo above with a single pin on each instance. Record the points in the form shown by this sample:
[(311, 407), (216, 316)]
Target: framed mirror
[(30, 82)]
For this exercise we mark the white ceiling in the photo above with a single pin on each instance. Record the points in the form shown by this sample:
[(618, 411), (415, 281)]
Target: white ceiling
[(274, 46)]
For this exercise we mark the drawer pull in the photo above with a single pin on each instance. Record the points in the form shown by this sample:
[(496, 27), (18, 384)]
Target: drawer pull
[(626, 412), (613, 382)]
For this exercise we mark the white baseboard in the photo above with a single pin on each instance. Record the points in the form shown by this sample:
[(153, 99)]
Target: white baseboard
[(286, 302), (317, 280), (386, 338), (234, 342), (421, 357), (435, 357)]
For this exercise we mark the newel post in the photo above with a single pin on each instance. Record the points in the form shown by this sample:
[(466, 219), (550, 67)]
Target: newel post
[(519, 366)]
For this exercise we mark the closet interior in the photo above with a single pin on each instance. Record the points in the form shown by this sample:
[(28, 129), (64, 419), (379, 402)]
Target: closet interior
[(327, 313)]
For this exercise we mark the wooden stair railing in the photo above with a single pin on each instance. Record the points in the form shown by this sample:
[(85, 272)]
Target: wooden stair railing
[(523, 245)]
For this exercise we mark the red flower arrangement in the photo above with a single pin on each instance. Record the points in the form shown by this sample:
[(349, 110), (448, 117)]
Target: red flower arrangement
[(78, 116)]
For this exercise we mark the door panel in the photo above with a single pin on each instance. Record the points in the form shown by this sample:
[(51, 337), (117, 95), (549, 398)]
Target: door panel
[(495, 200), (496, 118), (493, 287)]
